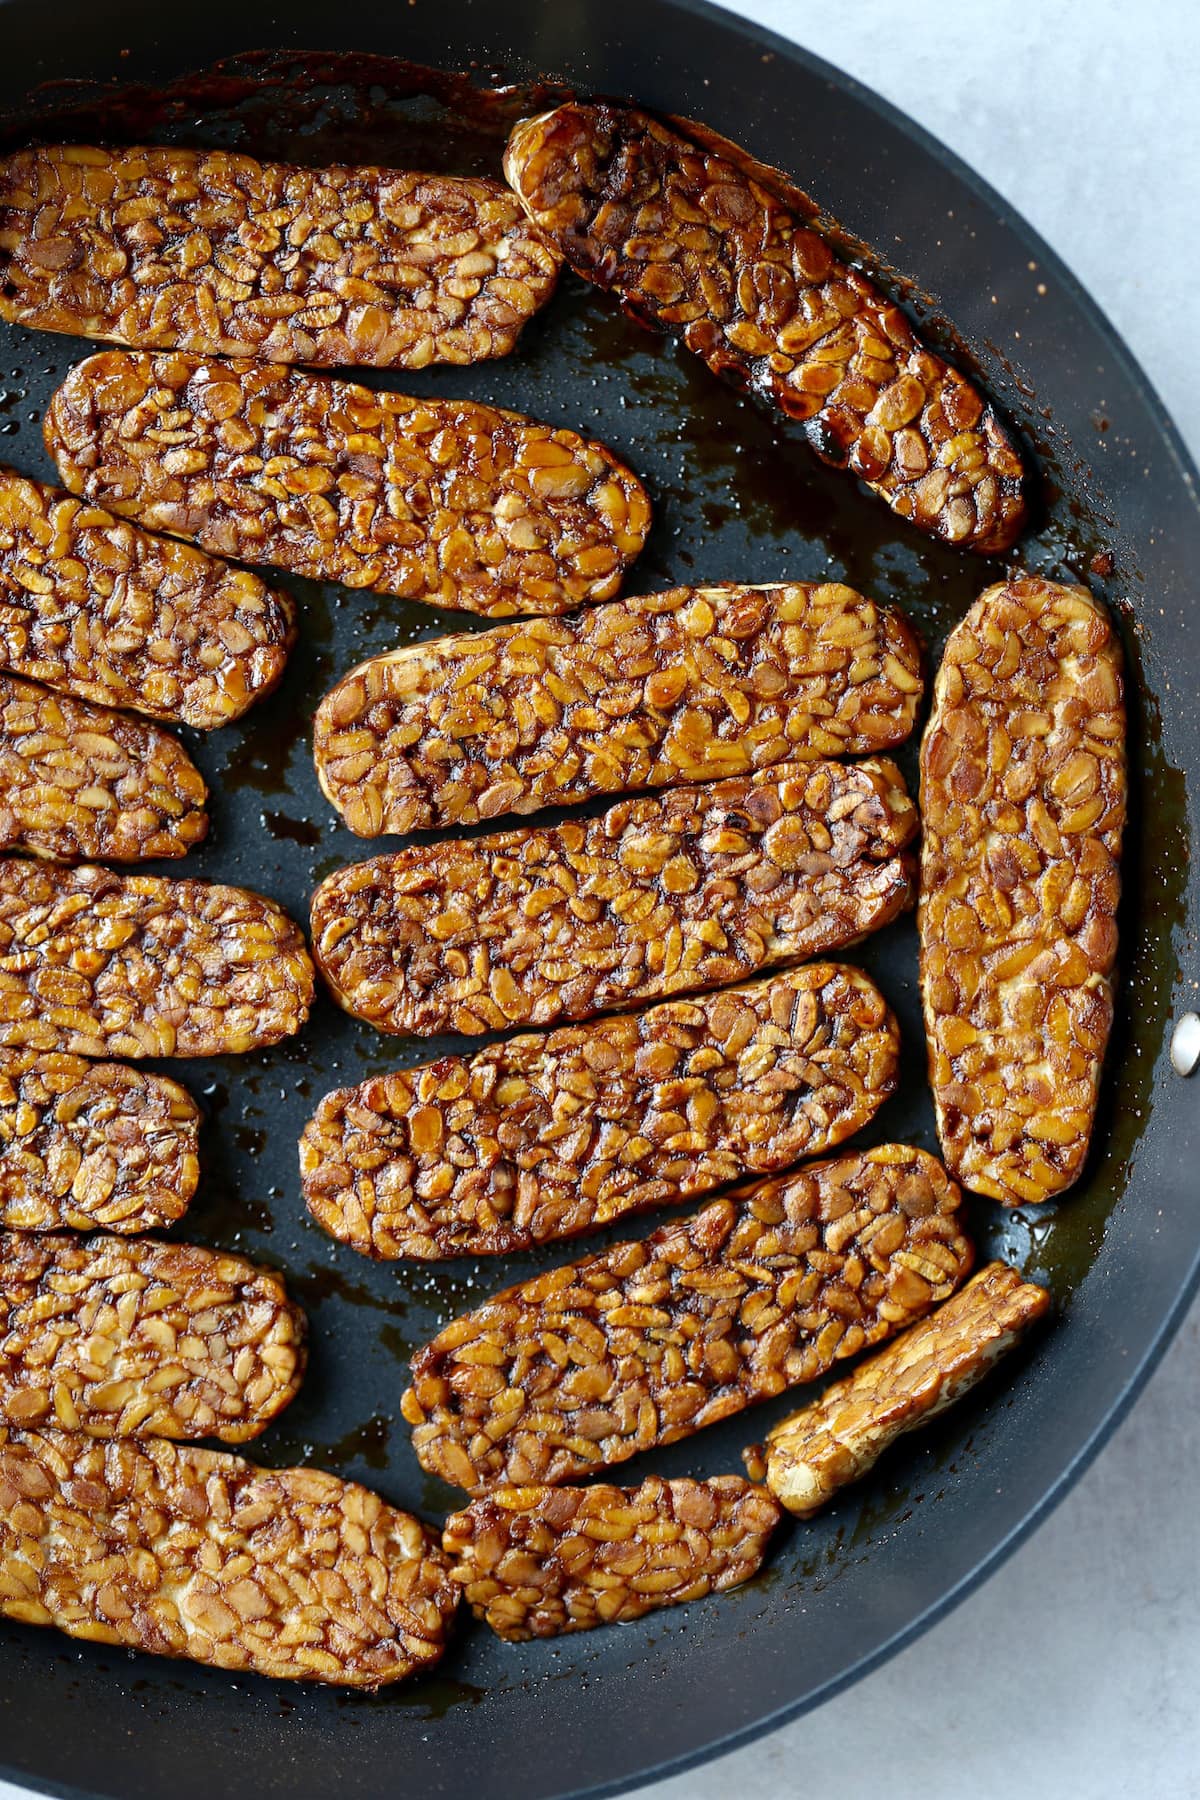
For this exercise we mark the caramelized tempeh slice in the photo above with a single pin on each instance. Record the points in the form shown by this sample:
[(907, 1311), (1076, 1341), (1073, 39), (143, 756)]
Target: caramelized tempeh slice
[(78, 782), (93, 1144), (535, 1562), (647, 1342), (842, 1435), (125, 1337), (545, 1137), (92, 606), (692, 889), (690, 685), (443, 501), (1023, 794), (211, 251), (695, 241), (192, 1553), (134, 965)]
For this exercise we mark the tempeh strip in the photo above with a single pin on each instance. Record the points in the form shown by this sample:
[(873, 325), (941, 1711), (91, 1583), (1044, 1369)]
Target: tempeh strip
[(695, 241), (691, 685), (544, 1137), (79, 783), (643, 1343), (289, 1573), (211, 251), (92, 606), (841, 1436), (86, 1145), (1023, 797), (126, 1337), (691, 889), (102, 965), (443, 501), (536, 1562)]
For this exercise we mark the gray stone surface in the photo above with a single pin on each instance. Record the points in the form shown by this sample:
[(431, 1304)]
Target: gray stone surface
[(1075, 1671)]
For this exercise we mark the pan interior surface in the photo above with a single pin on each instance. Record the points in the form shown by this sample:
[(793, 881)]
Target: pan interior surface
[(737, 496)]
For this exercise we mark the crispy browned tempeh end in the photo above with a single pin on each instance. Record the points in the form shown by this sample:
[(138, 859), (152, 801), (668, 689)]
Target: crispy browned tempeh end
[(192, 1553), (841, 1436), (81, 783), (211, 251), (92, 606), (644, 1343), (135, 965), (691, 685), (126, 1337), (687, 890), (1023, 796), (544, 1137), (86, 1145), (443, 501), (535, 1562), (692, 243)]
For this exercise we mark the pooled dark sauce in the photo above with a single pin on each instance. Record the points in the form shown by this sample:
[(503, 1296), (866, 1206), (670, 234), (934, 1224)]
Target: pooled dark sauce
[(284, 829), (738, 494), (366, 1443)]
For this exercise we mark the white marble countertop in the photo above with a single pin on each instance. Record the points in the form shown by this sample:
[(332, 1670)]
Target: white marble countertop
[(1075, 1670)]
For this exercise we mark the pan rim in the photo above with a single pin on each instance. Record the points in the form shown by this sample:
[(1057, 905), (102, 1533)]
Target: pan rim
[(1011, 219)]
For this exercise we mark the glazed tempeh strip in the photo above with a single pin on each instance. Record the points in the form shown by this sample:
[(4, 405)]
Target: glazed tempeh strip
[(443, 501), (126, 1337), (842, 1435), (694, 241), (535, 1562), (80, 783), (1023, 796), (691, 685), (544, 1137), (101, 965), (86, 1145), (647, 1342), (93, 606), (692, 889), (289, 1573), (211, 251)]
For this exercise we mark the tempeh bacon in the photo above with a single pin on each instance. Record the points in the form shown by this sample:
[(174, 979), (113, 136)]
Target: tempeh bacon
[(692, 889), (211, 251), (694, 684), (536, 1562), (80, 783), (92, 606), (443, 501), (93, 1145), (541, 1138), (1023, 801), (289, 1573), (128, 1337), (694, 238), (99, 964)]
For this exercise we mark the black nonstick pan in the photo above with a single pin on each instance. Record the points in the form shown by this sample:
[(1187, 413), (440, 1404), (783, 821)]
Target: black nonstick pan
[(737, 497)]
